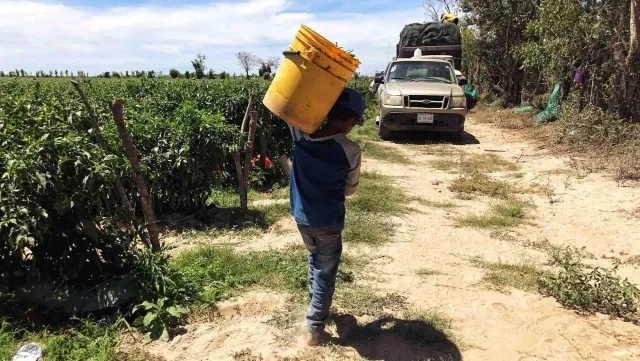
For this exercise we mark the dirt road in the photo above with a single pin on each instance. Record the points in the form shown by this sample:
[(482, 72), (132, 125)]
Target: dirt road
[(435, 264)]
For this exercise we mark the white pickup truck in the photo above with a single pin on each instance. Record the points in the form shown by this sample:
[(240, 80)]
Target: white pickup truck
[(423, 93)]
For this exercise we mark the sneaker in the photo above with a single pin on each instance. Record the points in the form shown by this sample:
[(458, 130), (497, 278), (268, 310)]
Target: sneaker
[(317, 339)]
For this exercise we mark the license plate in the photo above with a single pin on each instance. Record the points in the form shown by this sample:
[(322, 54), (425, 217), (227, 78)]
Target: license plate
[(425, 118)]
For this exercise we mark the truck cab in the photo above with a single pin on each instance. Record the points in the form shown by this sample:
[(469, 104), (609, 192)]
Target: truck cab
[(422, 93)]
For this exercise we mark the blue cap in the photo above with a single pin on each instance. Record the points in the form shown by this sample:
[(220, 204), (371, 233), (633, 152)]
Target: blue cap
[(353, 100)]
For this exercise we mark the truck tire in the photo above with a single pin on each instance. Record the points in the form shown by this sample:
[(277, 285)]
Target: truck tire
[(384, 132), (457, 136)]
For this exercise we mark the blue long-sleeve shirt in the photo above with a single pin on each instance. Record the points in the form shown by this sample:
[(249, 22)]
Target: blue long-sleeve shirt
[(324, 171)]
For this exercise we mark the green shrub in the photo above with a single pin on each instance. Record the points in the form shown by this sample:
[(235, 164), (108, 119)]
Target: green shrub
[(590, 289)]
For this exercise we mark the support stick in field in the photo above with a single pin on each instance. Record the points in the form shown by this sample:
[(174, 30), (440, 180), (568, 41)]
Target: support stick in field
[(132, 153), (246, 115), (103, 145), (263, 146), (243, 167), (253, 124)]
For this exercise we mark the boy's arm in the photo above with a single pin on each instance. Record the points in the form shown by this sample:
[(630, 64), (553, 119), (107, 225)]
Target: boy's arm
[(353, 177)]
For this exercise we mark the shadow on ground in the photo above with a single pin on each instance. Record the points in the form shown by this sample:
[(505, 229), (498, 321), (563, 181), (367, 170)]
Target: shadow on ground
[(392, 339), (230, 219), (432, 138)]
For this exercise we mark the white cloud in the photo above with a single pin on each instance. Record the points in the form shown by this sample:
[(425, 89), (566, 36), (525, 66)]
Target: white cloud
[(36, 36)]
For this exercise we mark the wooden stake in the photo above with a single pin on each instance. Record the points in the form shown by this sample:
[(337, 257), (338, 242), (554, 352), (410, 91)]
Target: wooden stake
[(241, 188), (246, 115), (103, 145), (243, 168), (263, 147), (132, 153)]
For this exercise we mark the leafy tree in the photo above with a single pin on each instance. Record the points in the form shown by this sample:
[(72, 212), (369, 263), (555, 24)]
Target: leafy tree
[(187, 74), (22, 72), (1, 73), (224, 75), (211, 74), (267, 66), (599, 37), (66, 73), (502, 25), (174, 73), (247, 61), (198, 65), (106, 74)]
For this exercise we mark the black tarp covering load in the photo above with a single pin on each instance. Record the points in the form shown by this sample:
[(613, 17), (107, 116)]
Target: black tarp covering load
[(425, 34)]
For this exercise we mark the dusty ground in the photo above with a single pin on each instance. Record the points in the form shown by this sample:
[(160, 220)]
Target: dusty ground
[(590, 211)]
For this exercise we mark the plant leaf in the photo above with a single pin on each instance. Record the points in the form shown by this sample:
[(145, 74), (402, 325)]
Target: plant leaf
[(149, 318)]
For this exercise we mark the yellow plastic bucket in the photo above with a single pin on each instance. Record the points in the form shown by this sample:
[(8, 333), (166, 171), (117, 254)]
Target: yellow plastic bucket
[(309, 81)]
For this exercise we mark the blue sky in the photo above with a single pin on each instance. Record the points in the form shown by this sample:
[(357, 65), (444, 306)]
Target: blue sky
[(118, 35)]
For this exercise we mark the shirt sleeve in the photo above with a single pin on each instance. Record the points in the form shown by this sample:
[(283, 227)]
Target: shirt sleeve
[(354, 156), (353, 177), (296, 133)]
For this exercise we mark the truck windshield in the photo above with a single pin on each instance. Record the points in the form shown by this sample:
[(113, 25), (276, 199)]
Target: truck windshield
[(418, 71)]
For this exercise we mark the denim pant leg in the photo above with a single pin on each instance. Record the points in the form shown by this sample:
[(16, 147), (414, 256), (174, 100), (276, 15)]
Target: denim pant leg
[(325, 250), (310, 244)]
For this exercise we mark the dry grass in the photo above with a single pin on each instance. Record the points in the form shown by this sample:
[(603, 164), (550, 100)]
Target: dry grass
[(425, 272), (483, 184), (602, 141), (387, 154), (435, 204), (476, 163), (633, 260), (559, 171), (501, 276), (502, 215), (504, 118), (362, 301)]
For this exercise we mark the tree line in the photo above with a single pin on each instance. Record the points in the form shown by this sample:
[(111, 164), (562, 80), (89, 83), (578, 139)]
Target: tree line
[(248, 61)]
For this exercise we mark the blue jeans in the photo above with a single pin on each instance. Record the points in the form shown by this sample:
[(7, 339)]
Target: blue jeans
[(325, 249)]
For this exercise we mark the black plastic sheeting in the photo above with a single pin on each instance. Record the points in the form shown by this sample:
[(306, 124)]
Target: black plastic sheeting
[(425, 34)]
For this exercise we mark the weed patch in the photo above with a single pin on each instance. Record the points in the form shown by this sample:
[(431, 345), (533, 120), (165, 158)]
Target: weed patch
[(435, 204), (88, 341), (502, 215), (589, 289), (361, 301), (477, 163), (633, 260), (377, 193), (523, 276), (427, 272), (424, 327), (367, 219), (239, 222), (370, 228), (482, 184), (386, 154), (277, 193), (215, 272)]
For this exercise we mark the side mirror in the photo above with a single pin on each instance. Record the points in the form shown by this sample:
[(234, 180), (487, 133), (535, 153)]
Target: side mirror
[(463, 81), (379, 79)]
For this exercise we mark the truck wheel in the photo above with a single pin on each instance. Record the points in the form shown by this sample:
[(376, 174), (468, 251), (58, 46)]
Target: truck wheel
[(457, 136), (384, 132)]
